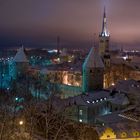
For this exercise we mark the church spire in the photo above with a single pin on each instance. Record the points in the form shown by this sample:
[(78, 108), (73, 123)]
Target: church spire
[(104, 25)]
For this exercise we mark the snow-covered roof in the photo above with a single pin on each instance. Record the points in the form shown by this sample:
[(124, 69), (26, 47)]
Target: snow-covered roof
[(127, 86), (136, 59), (118, 124), (134, 66), (93, 59), (116, 60), (20, 56), (134, 63), (94, 99), (89, 99), (120, 99), (131, 88), (112, 118)]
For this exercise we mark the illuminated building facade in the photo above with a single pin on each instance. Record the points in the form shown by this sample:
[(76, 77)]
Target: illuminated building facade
[(89, 78), (120, 70), (61, 76), (120, 133)]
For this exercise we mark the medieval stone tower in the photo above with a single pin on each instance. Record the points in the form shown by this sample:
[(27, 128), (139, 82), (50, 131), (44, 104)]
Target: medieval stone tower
[(19, 65), (93, 71)]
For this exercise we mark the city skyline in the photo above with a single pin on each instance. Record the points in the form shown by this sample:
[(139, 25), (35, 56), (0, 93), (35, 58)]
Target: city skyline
[(37, 23), (69, 70)]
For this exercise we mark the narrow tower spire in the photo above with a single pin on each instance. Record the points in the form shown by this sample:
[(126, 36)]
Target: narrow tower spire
[(104, 36), (104, 25)]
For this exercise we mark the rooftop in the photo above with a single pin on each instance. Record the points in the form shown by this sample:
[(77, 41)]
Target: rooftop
[(93, 60), (20, 56)]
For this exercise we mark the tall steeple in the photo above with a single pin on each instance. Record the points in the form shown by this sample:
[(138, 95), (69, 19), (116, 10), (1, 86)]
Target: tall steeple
[(104, 37), (104, 25)]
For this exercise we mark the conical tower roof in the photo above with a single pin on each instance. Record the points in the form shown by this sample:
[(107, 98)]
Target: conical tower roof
[(93, 59), (20, 56), (104, 26)]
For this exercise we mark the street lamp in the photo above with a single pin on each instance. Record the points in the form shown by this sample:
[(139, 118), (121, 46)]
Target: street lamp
[(113, 84), (21, 123), (22, 126)]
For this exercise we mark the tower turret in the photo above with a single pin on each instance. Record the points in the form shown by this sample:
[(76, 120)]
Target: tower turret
[(20, 62)]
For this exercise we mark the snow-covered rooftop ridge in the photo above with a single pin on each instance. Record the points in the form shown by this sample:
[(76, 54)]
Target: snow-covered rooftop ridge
[(20, 55), (93, 59), (120, 99), (127, 86)]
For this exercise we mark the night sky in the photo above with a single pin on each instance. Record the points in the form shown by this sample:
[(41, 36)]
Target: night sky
[(37, 23)]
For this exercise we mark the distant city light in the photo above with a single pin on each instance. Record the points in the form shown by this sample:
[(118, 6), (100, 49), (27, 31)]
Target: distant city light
[(52, 51), (80, 120), (125, 57), (16, 98), (7, 88), (88, 102)]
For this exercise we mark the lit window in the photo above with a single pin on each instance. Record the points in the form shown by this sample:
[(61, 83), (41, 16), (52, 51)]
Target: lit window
[(81, 112), (101, 99), (80, 120), (97, 101), (113, 84), (16, 98), (88, 102), (93, 102), (104, 98)]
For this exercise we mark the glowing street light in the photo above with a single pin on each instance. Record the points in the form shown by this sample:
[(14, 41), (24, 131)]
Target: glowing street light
[(113, 84), (16, 98), (20, 122)]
